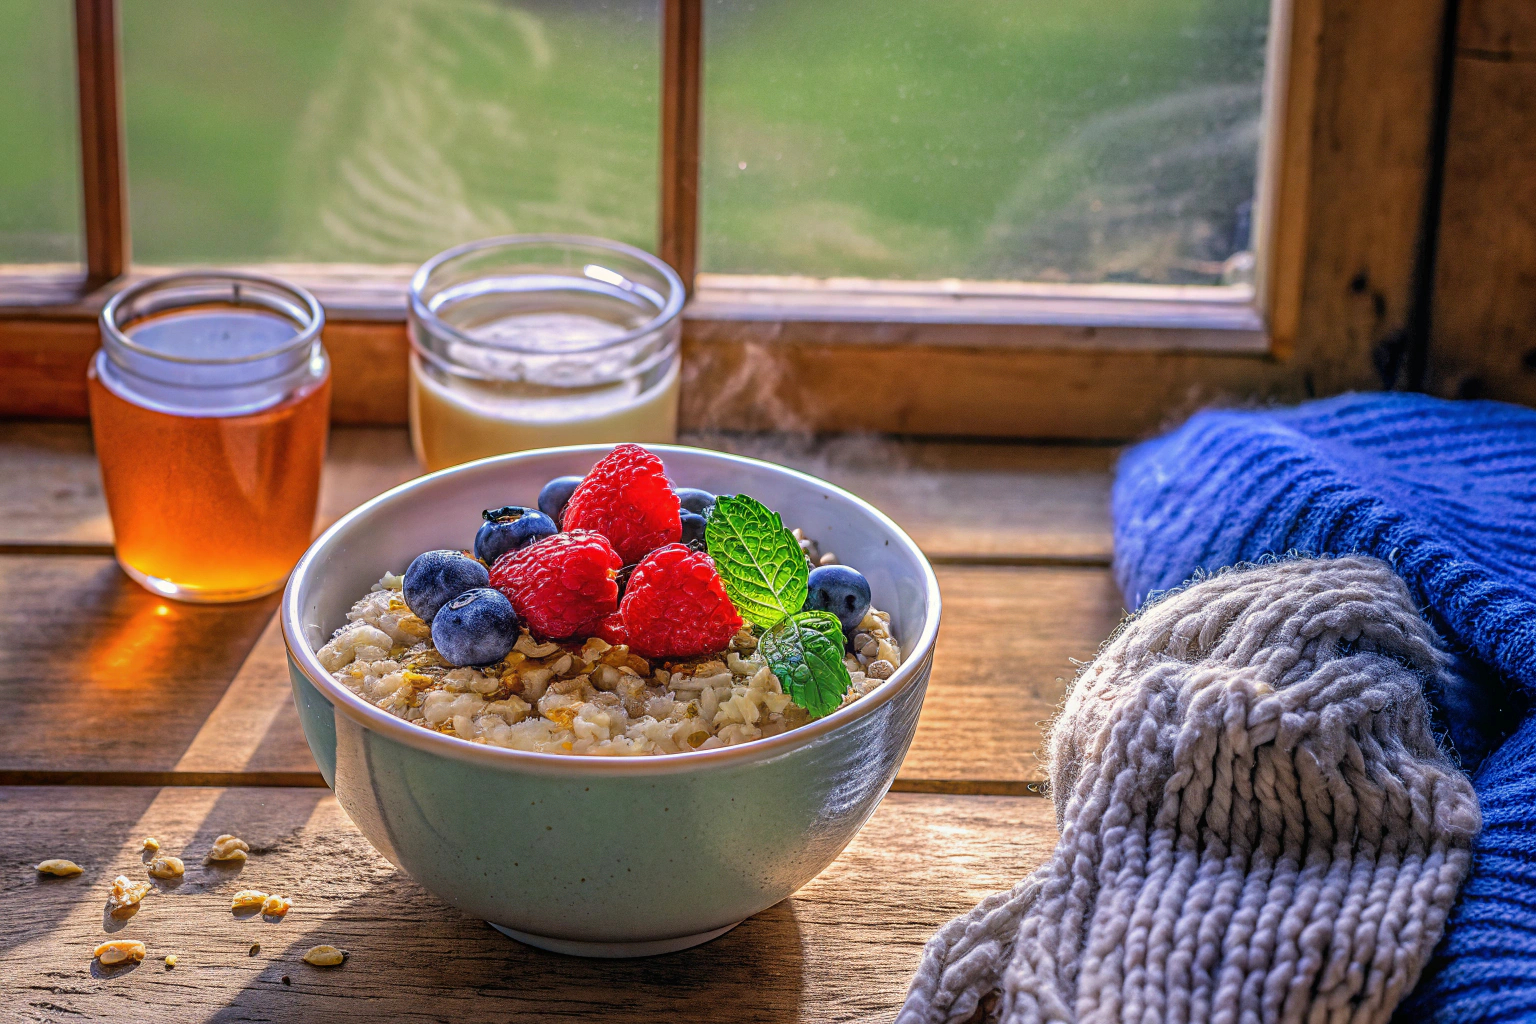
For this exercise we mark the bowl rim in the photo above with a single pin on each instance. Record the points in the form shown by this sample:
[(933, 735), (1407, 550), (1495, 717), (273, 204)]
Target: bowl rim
[(366, 714)]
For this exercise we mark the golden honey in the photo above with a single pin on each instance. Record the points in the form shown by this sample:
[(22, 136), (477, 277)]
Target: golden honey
[(210, 424)]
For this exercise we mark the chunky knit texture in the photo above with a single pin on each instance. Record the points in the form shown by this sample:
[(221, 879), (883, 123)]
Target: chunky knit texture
[(1256, 822), (1446, 492)]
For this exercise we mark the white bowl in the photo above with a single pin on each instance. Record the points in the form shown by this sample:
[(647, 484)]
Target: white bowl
[(605, 856)]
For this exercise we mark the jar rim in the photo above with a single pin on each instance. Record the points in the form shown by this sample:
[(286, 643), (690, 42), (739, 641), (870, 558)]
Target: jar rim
[(304, 338), (423, 311)]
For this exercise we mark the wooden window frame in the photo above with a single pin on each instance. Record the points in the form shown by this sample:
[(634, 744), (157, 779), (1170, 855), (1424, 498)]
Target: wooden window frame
[(1349, 92)]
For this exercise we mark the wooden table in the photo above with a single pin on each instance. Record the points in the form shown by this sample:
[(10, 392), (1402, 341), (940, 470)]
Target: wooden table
[(110, 738)]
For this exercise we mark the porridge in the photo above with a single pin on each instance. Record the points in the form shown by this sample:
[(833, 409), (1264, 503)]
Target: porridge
[(622, 617)]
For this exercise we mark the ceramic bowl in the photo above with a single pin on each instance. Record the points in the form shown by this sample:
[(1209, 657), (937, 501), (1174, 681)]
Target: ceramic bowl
[(604, 856)]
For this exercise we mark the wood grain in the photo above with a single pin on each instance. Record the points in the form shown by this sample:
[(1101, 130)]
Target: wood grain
[(682, 73), (958, 501), (200, 694), (1006, 650), (101, 675), (53, 485), (1498, 29), (103, 175), (1005, 654), (1481, 343), (53, 493), (369, 368), (842, 949)]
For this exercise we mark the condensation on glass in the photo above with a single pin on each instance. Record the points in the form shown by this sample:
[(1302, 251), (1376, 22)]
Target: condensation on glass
[(1049, 140), (382, 131), (40, 200)]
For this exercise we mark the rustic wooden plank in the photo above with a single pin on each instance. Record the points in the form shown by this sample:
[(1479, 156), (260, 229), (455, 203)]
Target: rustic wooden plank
[(1481, 344), (53, 493), (220, 714), (101, 675), (1497, 29), (1004, 657), (1005, 654), (957, 500), (53, 485), (842, 949), (960, 500), (254, 729)]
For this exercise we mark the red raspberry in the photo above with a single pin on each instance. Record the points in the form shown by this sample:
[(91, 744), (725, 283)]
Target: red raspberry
[(676, 607), (611, 629), (627, 499), (562, 586)]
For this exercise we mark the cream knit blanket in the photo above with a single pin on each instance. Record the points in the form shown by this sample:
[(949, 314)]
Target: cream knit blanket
[(1256, 822)]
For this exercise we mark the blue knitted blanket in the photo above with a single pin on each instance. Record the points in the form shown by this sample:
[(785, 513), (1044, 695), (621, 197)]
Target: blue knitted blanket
[(1445, 492)]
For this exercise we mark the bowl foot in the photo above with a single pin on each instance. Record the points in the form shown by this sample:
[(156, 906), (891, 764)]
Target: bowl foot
[(612, 950)]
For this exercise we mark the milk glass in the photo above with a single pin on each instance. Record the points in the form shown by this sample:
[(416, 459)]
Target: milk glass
[(540, 340)]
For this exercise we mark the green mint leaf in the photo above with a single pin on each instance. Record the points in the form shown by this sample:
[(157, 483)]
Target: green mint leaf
[(806, 652), (759, 561)]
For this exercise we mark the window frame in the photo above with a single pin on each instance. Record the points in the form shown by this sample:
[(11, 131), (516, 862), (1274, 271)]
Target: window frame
[(1129, 356)]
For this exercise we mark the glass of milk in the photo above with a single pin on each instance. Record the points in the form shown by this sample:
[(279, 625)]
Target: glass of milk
[(531, 341)]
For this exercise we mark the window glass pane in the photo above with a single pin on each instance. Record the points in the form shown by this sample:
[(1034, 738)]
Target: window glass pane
[(381, 131), (39, 134), (1048, 140)]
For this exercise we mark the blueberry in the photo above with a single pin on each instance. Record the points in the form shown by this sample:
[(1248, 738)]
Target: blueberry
[(842, 591), (555, 495), (476, 628), (437, 577), (507, 529), (696, 501), (693, 530)]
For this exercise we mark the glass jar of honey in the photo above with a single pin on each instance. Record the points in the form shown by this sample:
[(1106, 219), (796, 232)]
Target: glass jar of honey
[(210, 398), (531, 341)]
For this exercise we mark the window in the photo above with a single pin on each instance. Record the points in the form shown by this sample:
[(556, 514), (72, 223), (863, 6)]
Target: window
[(383, 131), (1038, 203), (40, 173), (1075, 141)]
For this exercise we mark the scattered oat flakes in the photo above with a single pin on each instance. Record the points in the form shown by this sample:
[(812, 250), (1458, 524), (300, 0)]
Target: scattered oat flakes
[(275, 905), (325, 956), (151, 844), (125, 896), (170, 960), (119, 950), (247, 898), (61, 868), (227, 847), (167, 867)]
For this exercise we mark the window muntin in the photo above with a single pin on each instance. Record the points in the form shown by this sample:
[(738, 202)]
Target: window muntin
[(39, 135)]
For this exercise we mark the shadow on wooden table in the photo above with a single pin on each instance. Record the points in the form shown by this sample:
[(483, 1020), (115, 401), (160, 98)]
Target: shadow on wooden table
[(412, 957), (464, 971)]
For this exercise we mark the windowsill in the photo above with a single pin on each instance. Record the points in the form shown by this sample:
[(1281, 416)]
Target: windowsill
[(972, 314), (999, 314)]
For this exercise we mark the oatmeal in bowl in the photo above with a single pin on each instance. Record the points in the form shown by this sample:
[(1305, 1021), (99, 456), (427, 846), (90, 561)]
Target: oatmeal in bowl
[(551, 643), (609, 724)]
